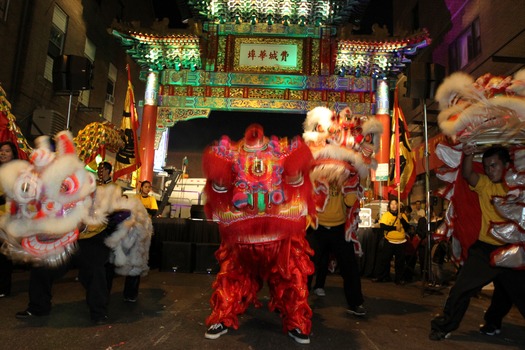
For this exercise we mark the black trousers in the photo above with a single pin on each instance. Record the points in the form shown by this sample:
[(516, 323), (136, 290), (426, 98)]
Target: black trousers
[(131, 283), (6, 269), (131, 287), (333, 240), (385, 253), (476, 273), (91, 258), (502, 301)]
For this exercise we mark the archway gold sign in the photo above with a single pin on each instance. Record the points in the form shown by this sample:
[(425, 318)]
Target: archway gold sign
[(268, 55)]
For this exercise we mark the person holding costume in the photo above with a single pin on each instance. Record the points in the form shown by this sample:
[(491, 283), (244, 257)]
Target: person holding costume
[(342, 146), (258, 189), (58, 215), (477, 271), (56, 197), (483, 116), (131, 282)]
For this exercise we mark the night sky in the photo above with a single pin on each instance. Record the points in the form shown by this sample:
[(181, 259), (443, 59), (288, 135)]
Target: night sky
[(196, 134)]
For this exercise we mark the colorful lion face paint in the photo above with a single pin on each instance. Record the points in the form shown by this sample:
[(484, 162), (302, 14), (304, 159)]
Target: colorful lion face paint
[(46, 200)]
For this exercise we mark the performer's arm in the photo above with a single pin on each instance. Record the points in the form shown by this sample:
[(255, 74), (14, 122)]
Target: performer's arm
[(384, 226), (387, 228), (467, 168), (404, 222)]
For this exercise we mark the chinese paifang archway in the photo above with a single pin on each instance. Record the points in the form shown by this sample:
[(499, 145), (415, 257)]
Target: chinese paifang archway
[(283, 57)]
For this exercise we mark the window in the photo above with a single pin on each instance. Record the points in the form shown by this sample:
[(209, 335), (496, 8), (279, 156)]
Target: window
[(89, 51), (110, 92), (110, 86), (466, 47), (4, 8), (110, 89), (57, 38)]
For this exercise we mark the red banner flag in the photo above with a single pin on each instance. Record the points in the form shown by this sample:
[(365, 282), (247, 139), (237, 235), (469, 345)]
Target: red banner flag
[(127, 158), (402, 161)]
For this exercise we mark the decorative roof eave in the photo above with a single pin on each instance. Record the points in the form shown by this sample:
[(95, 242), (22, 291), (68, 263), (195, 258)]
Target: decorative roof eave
[(173, 39), (408, 45), (158, 52), (377, 59), (304, 12)]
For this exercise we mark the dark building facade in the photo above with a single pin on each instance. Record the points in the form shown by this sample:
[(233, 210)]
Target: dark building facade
[(34, 34)]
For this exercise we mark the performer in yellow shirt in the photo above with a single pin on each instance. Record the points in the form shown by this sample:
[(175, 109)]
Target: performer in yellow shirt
[(150, 203), (394, 225)]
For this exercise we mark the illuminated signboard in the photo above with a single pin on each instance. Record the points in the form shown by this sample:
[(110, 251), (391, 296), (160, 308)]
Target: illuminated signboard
[(268, 55)]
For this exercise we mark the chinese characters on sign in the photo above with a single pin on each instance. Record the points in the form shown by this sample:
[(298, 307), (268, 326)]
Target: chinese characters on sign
[(263, 55), (268, 55)]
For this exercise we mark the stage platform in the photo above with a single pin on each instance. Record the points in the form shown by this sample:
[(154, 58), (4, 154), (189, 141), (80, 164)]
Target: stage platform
[(188, 245)]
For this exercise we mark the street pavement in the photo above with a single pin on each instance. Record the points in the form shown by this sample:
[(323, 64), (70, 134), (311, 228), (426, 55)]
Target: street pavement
[(172, 308)]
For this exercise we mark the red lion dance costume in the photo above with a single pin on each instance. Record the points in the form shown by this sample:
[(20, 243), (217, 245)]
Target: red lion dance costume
[(259, 191)]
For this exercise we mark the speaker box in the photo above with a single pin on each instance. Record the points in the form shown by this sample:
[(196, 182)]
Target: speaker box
[(204, 231), (72, 73), (205, 261), (197, 212), (423, 79), (177, 256)]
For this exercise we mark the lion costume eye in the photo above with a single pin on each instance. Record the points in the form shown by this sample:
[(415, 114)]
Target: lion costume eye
[(27, 188), (70, 185)]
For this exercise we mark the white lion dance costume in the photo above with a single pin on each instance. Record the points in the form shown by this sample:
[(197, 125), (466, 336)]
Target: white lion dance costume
[(343, 146), (485, 112), (51, 198), (258, 190)]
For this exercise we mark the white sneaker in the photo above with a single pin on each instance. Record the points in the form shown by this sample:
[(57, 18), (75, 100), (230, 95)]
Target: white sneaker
[(299, 337), (319, 292), (215, 331)]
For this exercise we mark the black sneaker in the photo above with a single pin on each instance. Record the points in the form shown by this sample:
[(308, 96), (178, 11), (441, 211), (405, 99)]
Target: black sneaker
[(357, 311), (215, 331), (99, 321), (299, 337), (438, 335), (22, 315), (130, 300), (489, 329)]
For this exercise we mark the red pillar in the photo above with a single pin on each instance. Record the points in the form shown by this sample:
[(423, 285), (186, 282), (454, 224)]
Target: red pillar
[(148, 128), (383, 154)]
